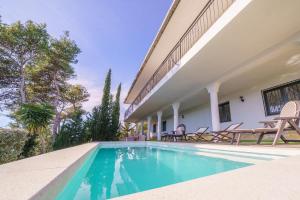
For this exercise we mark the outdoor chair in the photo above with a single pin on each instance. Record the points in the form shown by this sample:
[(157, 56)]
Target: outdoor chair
[(225, 135), (164, 136), (179, 133), (197, 135), (288, 120)]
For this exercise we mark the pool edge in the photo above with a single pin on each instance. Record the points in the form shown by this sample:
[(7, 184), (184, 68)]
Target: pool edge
[(53, 188)]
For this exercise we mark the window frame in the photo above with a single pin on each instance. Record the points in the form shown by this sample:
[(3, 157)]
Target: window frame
[(224, 104), (279, 87)]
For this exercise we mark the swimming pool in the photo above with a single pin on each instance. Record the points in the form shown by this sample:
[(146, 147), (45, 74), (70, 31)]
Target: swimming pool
[(113, 172)]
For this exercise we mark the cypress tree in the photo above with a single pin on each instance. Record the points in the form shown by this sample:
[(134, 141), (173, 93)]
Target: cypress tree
[(115, 114), (104, 118)]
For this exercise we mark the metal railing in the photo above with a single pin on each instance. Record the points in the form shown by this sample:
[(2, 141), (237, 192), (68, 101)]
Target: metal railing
[(206, 18)]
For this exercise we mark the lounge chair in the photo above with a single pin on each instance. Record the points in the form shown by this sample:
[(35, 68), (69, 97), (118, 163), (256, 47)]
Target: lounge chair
[(197, 135), (288, 120), (179, 133), (165, 136), (225, 135)]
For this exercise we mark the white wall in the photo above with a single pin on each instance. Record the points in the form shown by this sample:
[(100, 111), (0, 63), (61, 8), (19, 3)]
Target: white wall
[(170, 123), (193, 118), (250, 112), (196, 118)]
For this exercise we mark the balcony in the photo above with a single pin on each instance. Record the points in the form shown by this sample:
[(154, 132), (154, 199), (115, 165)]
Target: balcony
[(212, 11)]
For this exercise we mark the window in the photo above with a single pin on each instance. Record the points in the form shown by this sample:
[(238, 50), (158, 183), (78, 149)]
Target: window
[(224, 111), (275, 98), (164, 126), (154, 128)]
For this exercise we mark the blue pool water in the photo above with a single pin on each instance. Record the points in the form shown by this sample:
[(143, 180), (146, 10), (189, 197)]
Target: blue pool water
[(113, 172)]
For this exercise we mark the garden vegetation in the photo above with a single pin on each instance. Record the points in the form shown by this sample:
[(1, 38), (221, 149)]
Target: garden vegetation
[(46, 110)]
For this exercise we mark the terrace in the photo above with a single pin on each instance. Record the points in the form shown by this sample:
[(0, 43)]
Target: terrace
[(211, 12)]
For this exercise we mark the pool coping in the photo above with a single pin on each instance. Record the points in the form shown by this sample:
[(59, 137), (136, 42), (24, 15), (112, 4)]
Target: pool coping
[(43, 176)]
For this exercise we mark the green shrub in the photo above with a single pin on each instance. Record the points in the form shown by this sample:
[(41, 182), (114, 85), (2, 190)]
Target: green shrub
[(12, 142), (73, 132)]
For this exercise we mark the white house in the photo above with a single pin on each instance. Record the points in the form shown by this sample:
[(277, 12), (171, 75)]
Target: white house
[(216, 62)]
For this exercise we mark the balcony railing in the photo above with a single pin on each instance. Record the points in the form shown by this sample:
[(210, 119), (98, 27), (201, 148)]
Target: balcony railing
[(206, 18)]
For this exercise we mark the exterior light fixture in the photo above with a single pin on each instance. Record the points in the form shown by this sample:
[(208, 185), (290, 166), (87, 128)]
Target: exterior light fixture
[(242, 99)]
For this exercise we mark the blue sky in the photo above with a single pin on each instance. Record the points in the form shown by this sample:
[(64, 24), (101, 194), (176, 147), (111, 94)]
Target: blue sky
[(112, 34)]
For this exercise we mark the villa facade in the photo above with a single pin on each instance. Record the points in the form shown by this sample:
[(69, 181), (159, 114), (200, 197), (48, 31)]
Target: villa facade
[(216, 62)]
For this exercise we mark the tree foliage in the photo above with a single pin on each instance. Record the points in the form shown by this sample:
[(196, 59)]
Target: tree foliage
[(35, 74), (126, 130), (104, 119), (20, 46), (104, 115), (49, 81), (76, 95), (36, 118), (73, 131), (115, 116), (12, 142)]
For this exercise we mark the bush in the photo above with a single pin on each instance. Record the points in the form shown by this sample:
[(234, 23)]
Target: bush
[(73, 132), (12, 142), (33, 144)]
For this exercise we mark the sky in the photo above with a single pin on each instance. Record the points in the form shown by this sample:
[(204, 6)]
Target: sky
[(112, 34)]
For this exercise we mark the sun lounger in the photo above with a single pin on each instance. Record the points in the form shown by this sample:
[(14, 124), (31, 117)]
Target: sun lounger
[(198, 134), (225, 135)]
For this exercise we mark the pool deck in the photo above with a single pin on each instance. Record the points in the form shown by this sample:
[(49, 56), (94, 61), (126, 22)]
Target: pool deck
[(29, 178), (41, 177)]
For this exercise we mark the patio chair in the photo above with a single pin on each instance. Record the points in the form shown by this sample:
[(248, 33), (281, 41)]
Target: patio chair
[(197, 135), (288, 120), (224, 135)]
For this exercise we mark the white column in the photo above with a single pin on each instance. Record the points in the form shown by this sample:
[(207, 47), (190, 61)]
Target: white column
[(159, 115), (148, 127), (142, 128), (213, 90), (136, 128), (175, 113)]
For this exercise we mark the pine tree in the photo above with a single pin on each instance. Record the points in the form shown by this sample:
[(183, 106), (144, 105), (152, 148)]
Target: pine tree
[(20, 47), (115, 114), (104, 118)]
